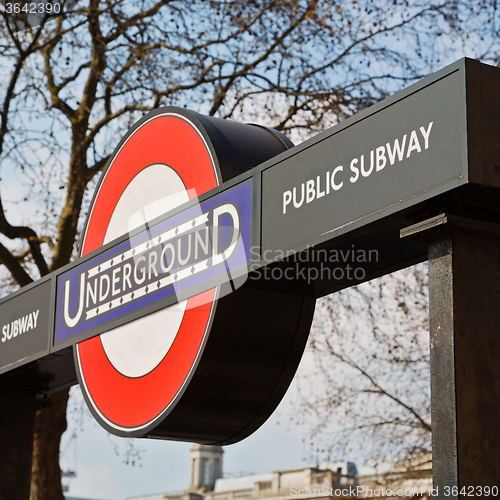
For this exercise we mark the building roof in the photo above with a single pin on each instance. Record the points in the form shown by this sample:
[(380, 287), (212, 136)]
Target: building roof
[(241, 482)]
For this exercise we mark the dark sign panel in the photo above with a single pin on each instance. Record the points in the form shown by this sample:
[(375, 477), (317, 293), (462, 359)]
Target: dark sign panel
[(400, 152), (24, 326)]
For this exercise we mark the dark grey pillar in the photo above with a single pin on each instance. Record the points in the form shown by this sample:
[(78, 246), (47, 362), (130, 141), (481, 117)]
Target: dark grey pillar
[(17, 419), (464, 288)]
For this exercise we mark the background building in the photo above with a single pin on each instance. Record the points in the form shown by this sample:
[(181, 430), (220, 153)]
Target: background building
[(339, 479)]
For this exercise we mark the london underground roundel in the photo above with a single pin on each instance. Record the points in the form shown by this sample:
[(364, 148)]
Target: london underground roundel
[(208, 368)]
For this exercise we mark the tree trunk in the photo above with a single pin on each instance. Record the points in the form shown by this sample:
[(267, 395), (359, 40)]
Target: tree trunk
[(50, 425)]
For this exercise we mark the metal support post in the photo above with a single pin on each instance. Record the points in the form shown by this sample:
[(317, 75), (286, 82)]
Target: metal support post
[(464, 289)]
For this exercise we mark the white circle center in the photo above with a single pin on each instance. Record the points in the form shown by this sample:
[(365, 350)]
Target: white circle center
[(136, 348)]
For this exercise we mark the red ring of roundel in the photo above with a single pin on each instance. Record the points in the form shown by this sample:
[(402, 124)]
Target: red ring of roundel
[(131, 403)]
